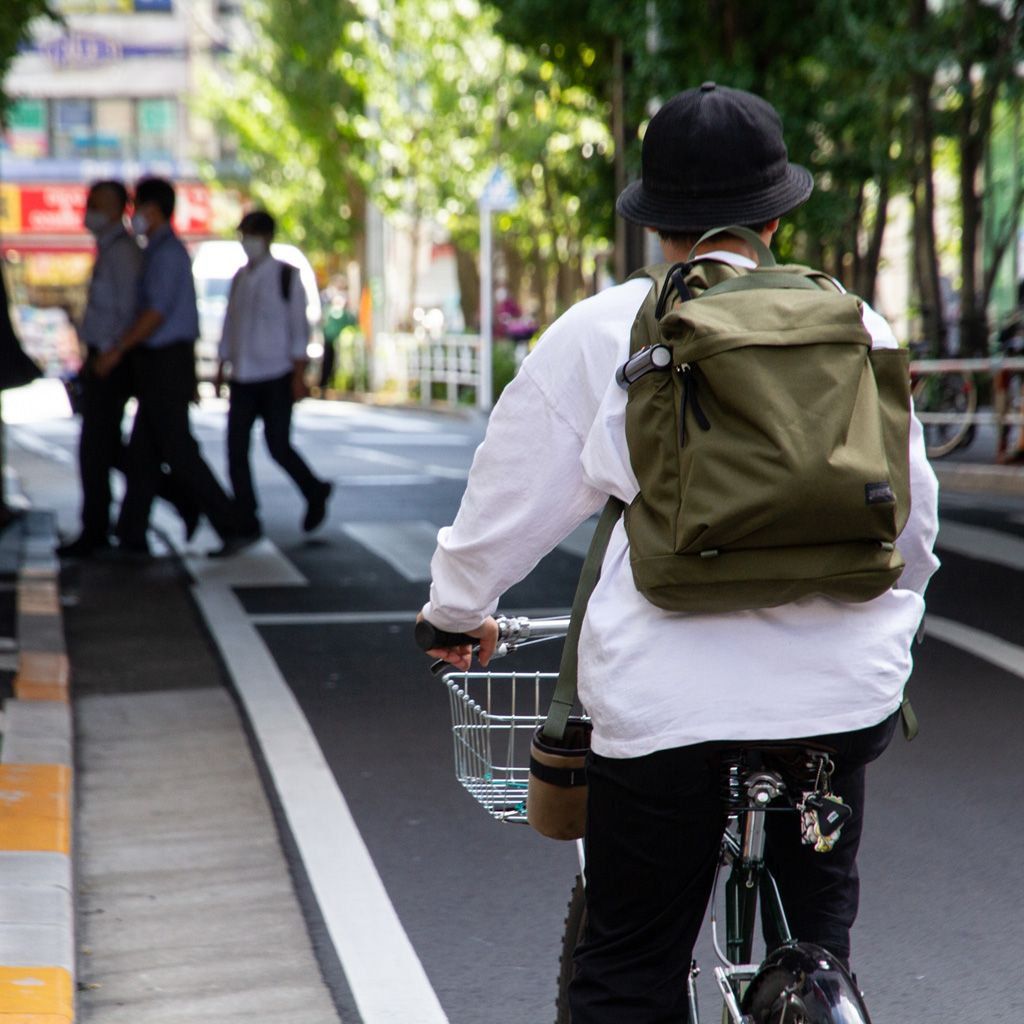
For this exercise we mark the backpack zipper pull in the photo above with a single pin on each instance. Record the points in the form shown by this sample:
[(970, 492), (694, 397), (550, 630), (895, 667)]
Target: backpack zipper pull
[(688, 375)]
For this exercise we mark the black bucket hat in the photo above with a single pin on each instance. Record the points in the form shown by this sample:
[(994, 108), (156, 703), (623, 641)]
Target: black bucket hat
[(714, 156)]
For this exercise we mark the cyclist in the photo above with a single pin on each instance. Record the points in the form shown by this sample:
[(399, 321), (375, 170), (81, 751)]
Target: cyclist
[(662, 687)]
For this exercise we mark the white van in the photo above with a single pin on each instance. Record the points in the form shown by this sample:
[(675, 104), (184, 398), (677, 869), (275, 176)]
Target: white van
[(213, 266)]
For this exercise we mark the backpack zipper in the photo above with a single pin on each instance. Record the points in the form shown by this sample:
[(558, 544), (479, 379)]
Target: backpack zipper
[(688, 376)]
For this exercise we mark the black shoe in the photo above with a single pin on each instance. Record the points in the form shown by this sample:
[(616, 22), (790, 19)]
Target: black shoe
[(83, 547), (235, 543), (316, 508)]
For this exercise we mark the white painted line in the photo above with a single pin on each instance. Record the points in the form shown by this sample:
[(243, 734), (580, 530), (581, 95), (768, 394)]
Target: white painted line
[(409, 440), (384, 480), (36, 445), (384, 973), (401, 462), (993, 649), (982, 544), (406, 546), (330, 618)]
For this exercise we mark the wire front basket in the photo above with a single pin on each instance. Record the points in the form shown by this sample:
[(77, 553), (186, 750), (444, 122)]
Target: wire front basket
[(494, 717)]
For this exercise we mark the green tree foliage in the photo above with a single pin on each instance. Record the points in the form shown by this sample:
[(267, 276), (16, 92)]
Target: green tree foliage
[(291, 98), (14, 30)]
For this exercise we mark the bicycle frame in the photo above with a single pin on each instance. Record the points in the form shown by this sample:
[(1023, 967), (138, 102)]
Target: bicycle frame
[(749, 882)]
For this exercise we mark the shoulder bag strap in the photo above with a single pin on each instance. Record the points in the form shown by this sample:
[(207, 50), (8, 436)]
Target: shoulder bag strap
[(565, 689)]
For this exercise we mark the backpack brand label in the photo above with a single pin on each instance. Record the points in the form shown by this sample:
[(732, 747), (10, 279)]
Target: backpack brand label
[(879, 493)]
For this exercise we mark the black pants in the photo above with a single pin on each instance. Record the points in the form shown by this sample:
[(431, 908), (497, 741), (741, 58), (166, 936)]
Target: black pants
[(271, 401), (164, 381), (653, 832), (101, 448)]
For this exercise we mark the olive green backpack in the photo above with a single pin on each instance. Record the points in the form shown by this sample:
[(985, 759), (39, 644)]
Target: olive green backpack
[(769, 439)]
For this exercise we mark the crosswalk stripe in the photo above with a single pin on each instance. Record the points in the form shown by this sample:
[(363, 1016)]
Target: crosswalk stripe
[(406, 546)]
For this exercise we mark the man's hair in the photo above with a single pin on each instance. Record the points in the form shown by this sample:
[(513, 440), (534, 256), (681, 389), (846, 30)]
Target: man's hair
[(112, 187), (688, 239), (157, 191), (258, 222)]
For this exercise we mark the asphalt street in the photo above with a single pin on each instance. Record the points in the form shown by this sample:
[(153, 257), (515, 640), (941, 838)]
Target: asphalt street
[(470, 910)]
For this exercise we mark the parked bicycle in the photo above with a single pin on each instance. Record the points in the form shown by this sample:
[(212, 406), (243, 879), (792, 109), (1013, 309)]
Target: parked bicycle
[(494, 717)]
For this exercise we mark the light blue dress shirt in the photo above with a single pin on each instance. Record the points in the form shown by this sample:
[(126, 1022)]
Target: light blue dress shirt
[(167, 286)]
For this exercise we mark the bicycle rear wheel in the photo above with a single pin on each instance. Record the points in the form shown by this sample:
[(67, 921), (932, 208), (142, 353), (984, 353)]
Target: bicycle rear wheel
[(950, 393), (575, 922)]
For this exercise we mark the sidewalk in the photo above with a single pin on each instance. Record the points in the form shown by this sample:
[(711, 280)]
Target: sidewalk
[(173, 902)]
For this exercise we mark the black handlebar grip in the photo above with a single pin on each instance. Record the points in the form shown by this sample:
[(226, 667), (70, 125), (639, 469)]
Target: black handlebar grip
[(428, 637)]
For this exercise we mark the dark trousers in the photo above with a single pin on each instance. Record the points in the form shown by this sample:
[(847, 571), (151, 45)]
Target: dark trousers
[(271, 401), (101, 448), (653, 832), (164, 381)]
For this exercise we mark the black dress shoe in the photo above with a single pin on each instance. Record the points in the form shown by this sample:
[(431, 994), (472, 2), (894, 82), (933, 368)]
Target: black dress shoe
[(235, 543), (83, 547), (316, 509)]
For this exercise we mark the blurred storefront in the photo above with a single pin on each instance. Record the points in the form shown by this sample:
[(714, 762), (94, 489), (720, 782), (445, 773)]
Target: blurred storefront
[(103, 95)]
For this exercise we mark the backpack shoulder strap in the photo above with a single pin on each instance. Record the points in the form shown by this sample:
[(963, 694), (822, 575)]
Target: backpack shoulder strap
[(287, 272)]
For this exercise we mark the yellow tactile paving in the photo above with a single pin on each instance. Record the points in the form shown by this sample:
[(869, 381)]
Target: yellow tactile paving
[(36, 995), (42, 676), (38, 597)]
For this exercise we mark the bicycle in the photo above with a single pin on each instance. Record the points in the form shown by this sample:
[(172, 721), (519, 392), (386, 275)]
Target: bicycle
[(945, 402), (494, 717)]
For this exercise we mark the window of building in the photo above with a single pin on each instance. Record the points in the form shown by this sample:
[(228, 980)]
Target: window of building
[(72, 128), (115, 130), (27, 132), (158, 129)]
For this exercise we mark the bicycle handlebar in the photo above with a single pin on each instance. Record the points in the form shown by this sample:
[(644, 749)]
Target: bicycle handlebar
[(513, 632)]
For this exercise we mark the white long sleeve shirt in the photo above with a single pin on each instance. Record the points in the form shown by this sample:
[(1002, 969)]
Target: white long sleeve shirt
[(113, 288), (650, 679), (264, 335)]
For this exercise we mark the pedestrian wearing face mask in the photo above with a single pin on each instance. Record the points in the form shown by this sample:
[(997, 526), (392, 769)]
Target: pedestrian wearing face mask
[(109, 310), (263, 352), (161, 341)]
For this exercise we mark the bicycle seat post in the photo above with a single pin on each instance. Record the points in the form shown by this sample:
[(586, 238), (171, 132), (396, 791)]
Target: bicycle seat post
[(762, 788)]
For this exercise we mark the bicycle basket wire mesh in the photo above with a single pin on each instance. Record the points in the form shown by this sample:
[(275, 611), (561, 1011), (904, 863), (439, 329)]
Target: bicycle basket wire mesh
[(494, 717)]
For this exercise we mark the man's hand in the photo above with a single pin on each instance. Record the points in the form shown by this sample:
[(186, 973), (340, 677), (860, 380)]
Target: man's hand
[(299, 388), (462, 657), (105, 362)]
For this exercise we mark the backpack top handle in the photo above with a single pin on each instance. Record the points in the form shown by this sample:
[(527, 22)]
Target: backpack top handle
[(764, 254)]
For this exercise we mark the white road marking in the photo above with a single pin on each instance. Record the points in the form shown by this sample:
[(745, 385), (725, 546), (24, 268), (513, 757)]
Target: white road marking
[(993, 649), (981, 543), (401, 462), (38, 445), (384, 973), (408, 440), (406, 546)]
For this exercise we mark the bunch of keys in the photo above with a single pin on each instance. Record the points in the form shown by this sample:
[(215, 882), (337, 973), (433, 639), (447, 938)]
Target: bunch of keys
[(822, 814)]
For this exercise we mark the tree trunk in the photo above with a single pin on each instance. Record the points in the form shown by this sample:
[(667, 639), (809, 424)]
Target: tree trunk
[(468, 273), (926, 254), (869, 264), (619, 140)]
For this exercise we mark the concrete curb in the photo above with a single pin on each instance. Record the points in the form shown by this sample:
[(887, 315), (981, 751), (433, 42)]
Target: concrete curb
[(972, 478), (37, 947)]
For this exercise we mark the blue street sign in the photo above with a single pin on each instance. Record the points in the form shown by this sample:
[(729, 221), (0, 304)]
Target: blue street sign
[(499, 193)]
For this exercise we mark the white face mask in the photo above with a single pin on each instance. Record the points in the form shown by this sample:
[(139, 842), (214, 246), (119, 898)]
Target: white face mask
[(254, 246), (140, 223), (96, 221)]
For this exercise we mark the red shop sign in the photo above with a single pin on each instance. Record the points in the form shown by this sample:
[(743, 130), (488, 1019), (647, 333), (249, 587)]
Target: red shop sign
[(52, 209)]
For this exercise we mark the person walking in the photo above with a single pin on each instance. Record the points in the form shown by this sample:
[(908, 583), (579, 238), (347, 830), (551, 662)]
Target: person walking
[(109, 311), (665, 688), (160, 342), (263, 352)]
